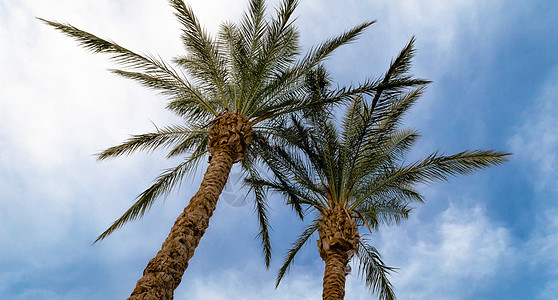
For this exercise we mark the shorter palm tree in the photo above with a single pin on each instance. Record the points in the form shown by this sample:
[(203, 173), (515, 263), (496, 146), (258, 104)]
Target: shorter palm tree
[(352, 175)]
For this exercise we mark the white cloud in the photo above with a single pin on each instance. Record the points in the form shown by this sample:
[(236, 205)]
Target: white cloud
[(536, 140), (542, 251), (454, 257), (241, 284), (535, 146), (450, 258), (59, 106), (254, 283)]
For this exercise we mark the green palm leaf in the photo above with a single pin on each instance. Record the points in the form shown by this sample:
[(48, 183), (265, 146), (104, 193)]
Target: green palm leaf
[(297, 245), (161, 186), (375, 272)]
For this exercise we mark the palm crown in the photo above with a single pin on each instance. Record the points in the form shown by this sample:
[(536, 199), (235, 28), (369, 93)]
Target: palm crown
[(252, 70), (353, 174)]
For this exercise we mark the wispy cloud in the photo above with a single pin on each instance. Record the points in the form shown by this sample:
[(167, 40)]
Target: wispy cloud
[(450, 258), (536, 140), (542, 249), (236, 285), (536, 145)]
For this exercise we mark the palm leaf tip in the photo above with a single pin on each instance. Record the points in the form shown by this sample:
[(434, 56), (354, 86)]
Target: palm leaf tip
[(326, 48), (375, 272), (469, 161), (297, 245), (162, 185), (137, 210), (87, 40), (437, 167), (261, 208)]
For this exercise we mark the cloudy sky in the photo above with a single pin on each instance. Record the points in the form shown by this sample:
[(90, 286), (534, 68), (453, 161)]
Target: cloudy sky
[(493, 235)]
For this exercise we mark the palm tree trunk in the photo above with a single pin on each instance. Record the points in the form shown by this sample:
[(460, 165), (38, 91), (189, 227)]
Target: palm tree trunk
[(164, 272), (334, 274), (338, 241)]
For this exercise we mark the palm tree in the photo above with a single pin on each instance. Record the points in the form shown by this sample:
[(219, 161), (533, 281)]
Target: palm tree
[(237, 86), (353, 176)]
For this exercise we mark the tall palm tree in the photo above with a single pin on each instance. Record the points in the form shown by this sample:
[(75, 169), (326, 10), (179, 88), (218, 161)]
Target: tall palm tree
[(354, 176), (237, 86)]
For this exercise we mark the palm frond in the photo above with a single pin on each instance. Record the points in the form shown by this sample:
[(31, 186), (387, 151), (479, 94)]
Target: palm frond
[(286, 164), (392, 115), (164, 85), (163, 184), (303, 138), (279, 46), (326, 48), (294, 76), (253, 25), (352, 122), (395, 78), (244, 42), (117, 53), (376, 141), (297, 245), (197, 140), (439, 167), (383, 151), (375, 272), (294, 99), (205, 62), (261, 208), (435, 167), (150, 68), (402, 63), (388, 212), (236, 57), (187, 100), (150, 141)]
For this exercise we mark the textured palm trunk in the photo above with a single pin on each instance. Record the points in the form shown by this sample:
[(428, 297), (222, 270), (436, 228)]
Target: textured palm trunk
[(338, 241), (229, 138), (334, 275)]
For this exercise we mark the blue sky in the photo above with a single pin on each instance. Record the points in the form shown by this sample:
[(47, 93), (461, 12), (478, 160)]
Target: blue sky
[(493, 235)]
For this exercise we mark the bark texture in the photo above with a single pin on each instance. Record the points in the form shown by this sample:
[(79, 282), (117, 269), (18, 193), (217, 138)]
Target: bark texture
[(233, 132), (338, 241), (228, 143)]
